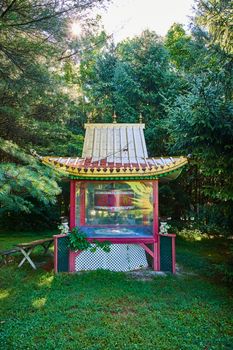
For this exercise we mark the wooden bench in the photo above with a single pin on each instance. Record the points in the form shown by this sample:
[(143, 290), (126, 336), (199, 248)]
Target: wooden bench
[(6, 255), (27, 248)]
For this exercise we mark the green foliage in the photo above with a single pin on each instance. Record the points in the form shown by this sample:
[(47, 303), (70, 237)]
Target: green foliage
[(216, 17), (133, 78), (78, 241), (38, 104), (39, 181), (200, 119), (180, 47), (204, 108), (214, 219), (191, 235)]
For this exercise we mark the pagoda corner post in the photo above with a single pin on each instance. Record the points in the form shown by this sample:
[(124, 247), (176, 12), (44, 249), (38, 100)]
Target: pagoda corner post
[(82, 203), (72, 204), (156, 265)]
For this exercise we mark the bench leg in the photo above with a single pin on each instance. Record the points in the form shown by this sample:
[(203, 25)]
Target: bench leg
[(46, 246), (27, 257), (4, 260)]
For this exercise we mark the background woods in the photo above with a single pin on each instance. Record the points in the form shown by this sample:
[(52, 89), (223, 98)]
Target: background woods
[(51, 81)]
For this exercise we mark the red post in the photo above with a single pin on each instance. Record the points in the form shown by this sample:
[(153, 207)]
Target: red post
[(72, 258), (82, 204), (72, 204), (155, 209), (155, 185)]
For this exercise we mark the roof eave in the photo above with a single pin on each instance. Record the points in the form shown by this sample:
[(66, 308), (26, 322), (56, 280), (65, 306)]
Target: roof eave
[(117, 173)]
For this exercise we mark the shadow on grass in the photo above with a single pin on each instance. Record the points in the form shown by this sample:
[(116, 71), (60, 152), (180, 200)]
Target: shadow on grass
[(209, 257)]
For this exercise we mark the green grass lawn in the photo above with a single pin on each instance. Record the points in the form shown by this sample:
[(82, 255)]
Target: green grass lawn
[(106, 310)]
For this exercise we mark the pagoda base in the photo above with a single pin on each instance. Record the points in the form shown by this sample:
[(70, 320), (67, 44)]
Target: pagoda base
[(126, 254), (122, 257)]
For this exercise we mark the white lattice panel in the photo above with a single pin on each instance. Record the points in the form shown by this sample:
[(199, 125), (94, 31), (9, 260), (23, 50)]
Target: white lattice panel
[(122, 257)]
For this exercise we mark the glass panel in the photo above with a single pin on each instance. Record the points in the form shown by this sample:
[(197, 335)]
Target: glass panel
[(119, 203)]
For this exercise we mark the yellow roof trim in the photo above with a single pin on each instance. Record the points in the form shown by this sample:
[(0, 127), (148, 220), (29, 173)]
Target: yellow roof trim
[(113, 125), (114, 172)]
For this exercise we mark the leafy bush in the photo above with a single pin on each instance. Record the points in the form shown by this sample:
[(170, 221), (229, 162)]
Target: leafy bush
[(192, 234), (78, 241), (215, 219)]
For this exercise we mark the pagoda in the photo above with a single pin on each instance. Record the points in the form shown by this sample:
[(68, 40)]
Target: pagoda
[(114, 197)]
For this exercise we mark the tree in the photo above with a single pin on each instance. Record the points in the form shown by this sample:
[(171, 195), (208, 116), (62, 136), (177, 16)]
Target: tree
[(135, 77), (216, 17), (180, 47), (37, 102), (201, 123)]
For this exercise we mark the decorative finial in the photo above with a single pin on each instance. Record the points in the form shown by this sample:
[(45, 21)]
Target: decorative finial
[(114, 117), (89, 117), (35, 154), (140, 118)]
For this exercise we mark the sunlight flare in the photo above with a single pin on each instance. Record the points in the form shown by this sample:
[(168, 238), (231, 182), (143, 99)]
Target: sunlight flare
[(76, 29)]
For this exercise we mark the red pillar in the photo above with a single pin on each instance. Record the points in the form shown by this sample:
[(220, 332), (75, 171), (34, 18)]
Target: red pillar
[(82, 204), (72, 204), (155, 208), (156, 247)]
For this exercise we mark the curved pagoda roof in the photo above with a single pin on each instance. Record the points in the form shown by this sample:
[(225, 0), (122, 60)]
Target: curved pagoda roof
[(116, 151)]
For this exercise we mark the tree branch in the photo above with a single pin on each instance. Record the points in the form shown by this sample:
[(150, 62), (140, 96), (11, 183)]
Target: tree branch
[(11, 58), (78, 6), (87, 49), (8, 8)]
